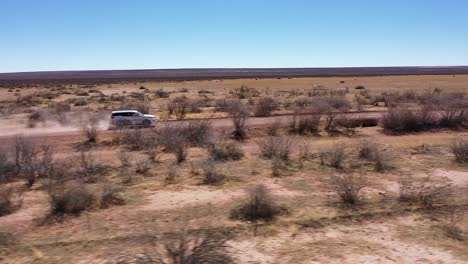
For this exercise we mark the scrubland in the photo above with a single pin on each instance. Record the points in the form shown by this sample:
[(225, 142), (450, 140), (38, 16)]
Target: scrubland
[(306, 170)]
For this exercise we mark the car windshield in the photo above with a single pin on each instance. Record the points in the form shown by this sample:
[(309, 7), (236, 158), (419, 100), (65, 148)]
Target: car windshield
[(140, 114)]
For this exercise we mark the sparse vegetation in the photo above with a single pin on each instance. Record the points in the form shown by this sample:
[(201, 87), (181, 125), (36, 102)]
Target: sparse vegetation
[(212, 174), (460, 151), (239, 113), (258, 206), (89, 127), (225, 150), (11, 199), (70, 199), (425, 192), (334, 157), (347, 186), (276, 147)]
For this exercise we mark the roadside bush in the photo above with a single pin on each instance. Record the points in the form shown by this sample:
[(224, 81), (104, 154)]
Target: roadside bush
[(225, 150), (11, 200), (172, 138), (451, 117), (239, 113), (89, 127), (304, 124), (397, 121), (334, 157), (212, 174), (133, 139), (347, 187), (198, 132), (179, 107), (70, 199), (265, 106), (460, 151), (276, 147), (258, 206), (273, 128)]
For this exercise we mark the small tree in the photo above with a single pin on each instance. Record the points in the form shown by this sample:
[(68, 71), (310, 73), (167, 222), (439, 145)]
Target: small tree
[(239, 113), (89, 127)]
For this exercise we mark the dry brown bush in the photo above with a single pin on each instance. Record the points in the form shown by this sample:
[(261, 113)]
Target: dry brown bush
[(276, 147), (182, 105), (425, 192), (334, 156), (185, 248), (244, 92), (239, 113), (11, 199), (273, 128), (398, 120), (264, 106), (142, 166), (373, 152), (347, 187), (460, 151), (31, 160), (225, 150), (7, 168), (162, 93), (173, 139), (133, 139), (198, 132), (212, 175), (89, 127), (70, 199), (304, 124), (151, 146), (111, 195), (258, 206)]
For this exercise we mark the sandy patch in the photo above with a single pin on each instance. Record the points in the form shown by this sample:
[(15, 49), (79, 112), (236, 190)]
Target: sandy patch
[(459, 178)]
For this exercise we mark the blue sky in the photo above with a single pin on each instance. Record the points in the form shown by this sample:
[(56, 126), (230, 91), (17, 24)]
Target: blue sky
[(38, 35)]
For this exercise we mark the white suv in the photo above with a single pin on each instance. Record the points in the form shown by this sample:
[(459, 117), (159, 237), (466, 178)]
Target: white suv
[(127, 118)]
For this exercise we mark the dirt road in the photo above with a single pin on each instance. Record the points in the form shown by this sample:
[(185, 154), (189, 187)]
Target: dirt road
[(58, 133)]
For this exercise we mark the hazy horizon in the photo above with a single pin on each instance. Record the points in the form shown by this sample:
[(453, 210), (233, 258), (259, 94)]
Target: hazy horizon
[(119, 35)]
